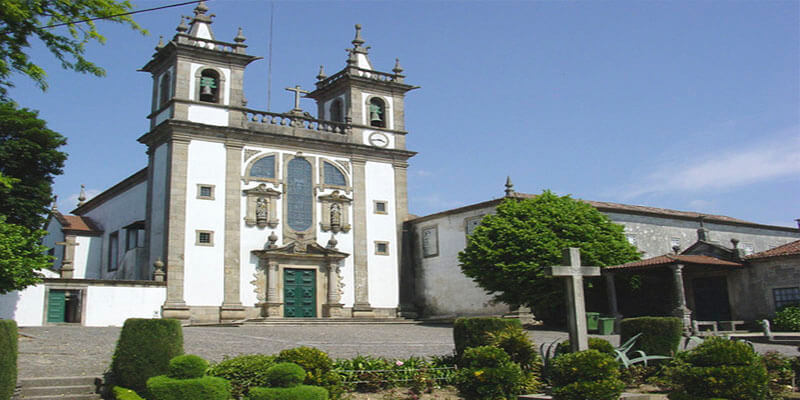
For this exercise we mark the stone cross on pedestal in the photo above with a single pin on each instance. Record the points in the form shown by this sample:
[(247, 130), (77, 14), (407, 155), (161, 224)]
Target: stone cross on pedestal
[(297, 91), (576, 309), (67, 268)]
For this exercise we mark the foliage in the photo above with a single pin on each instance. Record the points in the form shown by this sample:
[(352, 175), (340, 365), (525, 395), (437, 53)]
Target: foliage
[(187, 366), (598, 344), (21, 256), (8, 358), (243, 372), (371, 374), (365, 373), (516, 343), (318, 366), (510, 249), (586, 374), (779, 373), (285, 375), (144, 349), (302, 392), (22, 21), (718, 368), (659, 335), (163, 387), (29, 154), (120, 393), (488, 373), (788, 319), (472, 332)]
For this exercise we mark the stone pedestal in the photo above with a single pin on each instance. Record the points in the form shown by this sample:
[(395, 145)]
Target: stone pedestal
[(175, 311), (334, 310), (363, 311), (524, 315), (232, 312), (270, 310)]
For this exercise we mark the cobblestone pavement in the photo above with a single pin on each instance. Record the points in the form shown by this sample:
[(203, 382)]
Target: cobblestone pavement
[(75, 350)]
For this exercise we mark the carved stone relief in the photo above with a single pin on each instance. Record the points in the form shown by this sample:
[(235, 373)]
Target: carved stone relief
[(250, 153), (261, 206), (335, 212)]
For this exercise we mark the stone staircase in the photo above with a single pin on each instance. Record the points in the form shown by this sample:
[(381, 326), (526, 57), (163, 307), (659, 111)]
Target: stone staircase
[(60, 388)]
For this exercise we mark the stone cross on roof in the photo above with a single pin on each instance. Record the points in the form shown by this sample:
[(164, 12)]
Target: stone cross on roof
[(297, 94), (576, 308)]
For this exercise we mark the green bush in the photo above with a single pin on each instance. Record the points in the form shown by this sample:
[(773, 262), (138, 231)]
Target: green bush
[(788, 319), (163, 387), (285, 375), (302, 392), (718, 368), (488, 373), (318, 366), (120, 393), (779, 373), (8, 358), (187, 366), (660, 335), (243, 372), (598, 344), (144, 349), (586, 374), (368, 370), (516, 343), (472, 332)]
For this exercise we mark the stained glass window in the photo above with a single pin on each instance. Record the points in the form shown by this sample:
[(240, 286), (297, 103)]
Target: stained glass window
[(263, 168), (299, 194), (332, 175)]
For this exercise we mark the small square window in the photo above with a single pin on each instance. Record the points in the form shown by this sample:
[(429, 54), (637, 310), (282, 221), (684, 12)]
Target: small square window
[(381, 207), (205, 238), (205, 192), (382, 248), (785, 297), (472, 223)]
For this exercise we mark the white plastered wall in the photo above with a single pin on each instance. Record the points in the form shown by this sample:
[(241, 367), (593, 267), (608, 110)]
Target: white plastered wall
[(26, 306), (54, 235), (203, 267), (88, 248), (157, 204), (112, 305), (382, 269)]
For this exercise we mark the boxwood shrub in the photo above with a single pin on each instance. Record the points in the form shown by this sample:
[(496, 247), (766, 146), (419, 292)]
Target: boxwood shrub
[(163, 387), (660, 335), (187, 366), (301, 392), (598, 344), (144, 349), (472, 332), (318, 366), (120, 393), (488, 373), (243, 372), (285, 375), (586, 374), (788, 319), (8, 358)]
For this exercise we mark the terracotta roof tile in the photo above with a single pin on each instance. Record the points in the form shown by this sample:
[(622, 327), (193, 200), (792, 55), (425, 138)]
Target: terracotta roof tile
[(668, 259), (77, 223), (788, 249)]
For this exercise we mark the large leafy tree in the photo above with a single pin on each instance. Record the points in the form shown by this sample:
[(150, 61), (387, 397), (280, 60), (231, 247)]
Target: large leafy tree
[(29, 155), (21, 256), (64, 27), (507, 252)]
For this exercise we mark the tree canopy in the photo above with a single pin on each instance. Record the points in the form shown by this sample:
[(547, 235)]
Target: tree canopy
[(24, 20), (29, 155), (21, 256), (507, 252)]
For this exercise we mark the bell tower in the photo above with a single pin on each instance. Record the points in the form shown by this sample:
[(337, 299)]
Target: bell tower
[(196, 77)]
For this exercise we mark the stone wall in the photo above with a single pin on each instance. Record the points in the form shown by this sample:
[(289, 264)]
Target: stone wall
[(751, 290)]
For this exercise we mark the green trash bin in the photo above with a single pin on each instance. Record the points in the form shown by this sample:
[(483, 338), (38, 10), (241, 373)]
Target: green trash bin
[(606, 326), (591, 320)]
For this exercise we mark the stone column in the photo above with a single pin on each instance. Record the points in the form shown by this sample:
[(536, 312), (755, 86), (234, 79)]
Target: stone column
[(681, 310), (273, 304), (333, 308), (361, 307), (175, 228), (232, 308), (401, 213), (611, 292), (68, 261)]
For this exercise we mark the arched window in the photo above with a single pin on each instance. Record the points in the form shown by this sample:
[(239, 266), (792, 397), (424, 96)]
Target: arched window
[(299, 195), (337, 114), (209, 86), (377, 113), (164, 89), (263, 168), (332, 175)]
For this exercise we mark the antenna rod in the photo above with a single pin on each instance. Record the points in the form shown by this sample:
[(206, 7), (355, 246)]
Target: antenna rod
[(269, 62)]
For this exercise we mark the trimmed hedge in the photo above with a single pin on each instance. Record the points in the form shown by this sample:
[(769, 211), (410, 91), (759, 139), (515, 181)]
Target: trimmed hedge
[(285, 375), (120, 393), (243, 372), (301, 392), (318, 366), (586, 374), (163, 387), (187, 366), (472, 332), (488, 373), (660, 335), (8, 358), (144, 349), (598, 344)]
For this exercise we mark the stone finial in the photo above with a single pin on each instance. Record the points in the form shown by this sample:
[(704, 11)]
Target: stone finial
[(509, 187), (158, 271), (82, 196), (397, 68), (240, 38), (272, 239), (201, 8), (54, 205), (358, 41), (160, 44), (702, 232), (332, 242), (735, 243), (182, 27), (321, 75)]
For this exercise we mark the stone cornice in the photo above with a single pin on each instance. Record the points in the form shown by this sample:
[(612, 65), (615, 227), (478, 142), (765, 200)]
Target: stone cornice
[(195, 53)]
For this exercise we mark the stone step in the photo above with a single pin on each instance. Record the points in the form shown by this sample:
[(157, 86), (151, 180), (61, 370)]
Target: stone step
[(60, 381), (64, 387), (62, 397), (56, 390), (323, 321)]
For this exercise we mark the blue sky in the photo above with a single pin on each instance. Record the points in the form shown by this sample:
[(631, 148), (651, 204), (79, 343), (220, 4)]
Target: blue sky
[(682, 105)]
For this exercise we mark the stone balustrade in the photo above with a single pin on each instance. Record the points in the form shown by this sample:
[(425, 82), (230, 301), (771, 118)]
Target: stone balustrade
[(296, 121), (362, 73), (215, 45)]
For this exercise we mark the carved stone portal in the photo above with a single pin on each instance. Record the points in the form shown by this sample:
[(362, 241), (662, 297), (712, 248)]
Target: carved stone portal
[(261, 206), (335, 212)]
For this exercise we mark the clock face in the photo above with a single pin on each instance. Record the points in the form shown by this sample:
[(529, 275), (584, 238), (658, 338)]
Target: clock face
[(378, 139)]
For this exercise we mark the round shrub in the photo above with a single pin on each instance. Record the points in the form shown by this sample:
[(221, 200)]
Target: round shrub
[(285, 375), (472, 332), (120, 393), (8, 358), (598, 344), (143, 350), (187, 366), (586, 374), (660, 335), (718, 368), (163, 387), (301, 392), (243, 372), (516, 343), (318, 366), (788, 319), (488, 373)]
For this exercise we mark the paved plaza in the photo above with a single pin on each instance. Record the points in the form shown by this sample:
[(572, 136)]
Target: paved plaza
[(76, 350)]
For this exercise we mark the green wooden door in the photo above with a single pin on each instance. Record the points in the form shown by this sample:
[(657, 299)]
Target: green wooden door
[(299, 293), (56, 306)]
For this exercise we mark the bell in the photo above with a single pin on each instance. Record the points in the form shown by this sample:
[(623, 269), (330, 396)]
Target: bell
[(375, 117), (206, 90)]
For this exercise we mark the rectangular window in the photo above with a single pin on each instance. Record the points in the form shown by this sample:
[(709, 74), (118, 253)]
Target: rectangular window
[(430, 241), (382, 248), (786, 297), (205, 192), (113, 251), (471, 223), (380, 207), (205, 238), (131, 238)]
